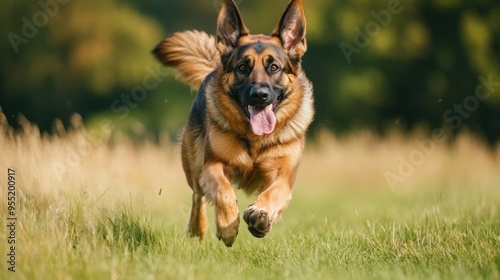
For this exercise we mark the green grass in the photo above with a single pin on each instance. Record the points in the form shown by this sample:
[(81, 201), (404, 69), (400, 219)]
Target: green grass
[(337, 234)]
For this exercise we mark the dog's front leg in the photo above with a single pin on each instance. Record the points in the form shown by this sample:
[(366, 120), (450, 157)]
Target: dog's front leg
[(219, 190), (268, 207), (279, 176)]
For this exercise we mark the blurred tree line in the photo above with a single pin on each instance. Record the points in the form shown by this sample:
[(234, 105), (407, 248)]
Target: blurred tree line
[(376, 64)]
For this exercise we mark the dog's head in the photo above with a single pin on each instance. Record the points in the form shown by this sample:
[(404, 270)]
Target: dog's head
[(261, 69)]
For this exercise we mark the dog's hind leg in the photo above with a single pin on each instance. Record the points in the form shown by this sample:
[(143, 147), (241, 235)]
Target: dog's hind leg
[(198, 222)]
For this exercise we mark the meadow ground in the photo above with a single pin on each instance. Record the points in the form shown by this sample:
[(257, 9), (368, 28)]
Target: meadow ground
[(364, 207)]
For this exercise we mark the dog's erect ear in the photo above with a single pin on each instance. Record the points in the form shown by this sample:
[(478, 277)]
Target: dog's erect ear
[(291, 29), (230, 27)]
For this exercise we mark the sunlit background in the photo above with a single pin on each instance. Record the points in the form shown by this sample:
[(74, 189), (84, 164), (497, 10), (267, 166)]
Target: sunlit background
[(374, 64)]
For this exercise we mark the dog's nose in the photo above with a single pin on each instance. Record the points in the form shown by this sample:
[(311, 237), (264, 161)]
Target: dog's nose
[(260, 94)]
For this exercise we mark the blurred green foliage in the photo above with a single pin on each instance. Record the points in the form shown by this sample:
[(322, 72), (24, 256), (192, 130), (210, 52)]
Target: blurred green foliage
[(375, 64)]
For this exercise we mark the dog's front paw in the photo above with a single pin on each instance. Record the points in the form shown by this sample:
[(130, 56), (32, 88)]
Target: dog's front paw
[(227, 221), (228, 233), (258, 220)]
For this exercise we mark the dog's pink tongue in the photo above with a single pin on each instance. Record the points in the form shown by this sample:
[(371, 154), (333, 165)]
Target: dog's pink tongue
[(262, 119)]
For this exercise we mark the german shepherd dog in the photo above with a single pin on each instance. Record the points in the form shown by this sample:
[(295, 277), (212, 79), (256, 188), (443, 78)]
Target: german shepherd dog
[(248, 122)]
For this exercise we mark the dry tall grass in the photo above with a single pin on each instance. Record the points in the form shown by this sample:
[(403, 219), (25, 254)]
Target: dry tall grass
[(79, 163), (76, 163), (400, 162)]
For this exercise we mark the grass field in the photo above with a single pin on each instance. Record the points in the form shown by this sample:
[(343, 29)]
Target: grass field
[(89, 209)]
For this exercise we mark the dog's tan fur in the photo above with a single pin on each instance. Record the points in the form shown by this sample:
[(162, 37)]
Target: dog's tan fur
[(192, 53), (218, 146)]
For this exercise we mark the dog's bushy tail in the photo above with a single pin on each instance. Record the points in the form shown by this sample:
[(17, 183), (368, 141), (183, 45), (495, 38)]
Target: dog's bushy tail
[(192, 53)]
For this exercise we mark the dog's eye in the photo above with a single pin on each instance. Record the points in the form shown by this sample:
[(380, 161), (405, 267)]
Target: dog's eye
[(274, 68), (242, 68)]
